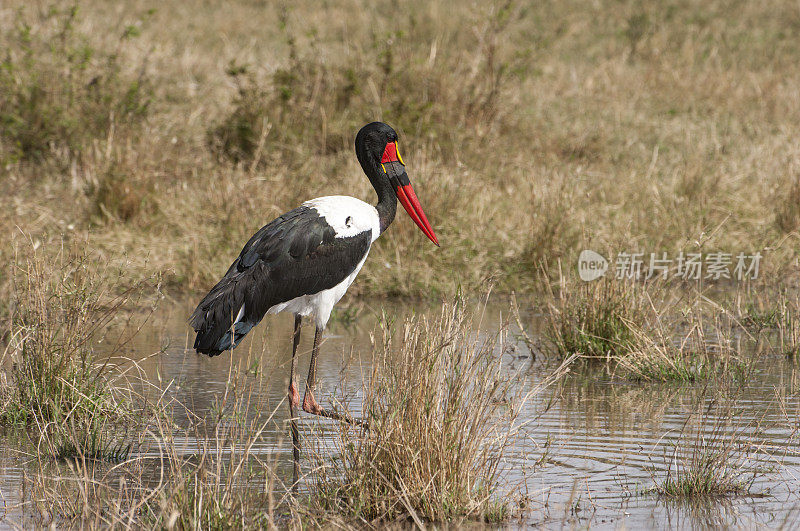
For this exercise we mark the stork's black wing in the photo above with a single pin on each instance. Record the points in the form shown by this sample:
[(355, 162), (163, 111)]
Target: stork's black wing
[(296, 254)]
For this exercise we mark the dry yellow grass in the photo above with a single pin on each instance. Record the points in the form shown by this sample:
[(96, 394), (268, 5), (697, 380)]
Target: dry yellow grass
[(442, 412), (530, 131)]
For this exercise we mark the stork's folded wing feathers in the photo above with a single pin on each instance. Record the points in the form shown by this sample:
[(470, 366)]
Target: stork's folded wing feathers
[(296, 254)]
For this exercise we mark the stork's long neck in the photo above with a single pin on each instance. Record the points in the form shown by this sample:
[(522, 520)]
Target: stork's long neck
[(387, 201)]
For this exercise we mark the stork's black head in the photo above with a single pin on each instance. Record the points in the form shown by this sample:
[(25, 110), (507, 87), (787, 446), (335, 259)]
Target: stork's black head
[(376, 149)]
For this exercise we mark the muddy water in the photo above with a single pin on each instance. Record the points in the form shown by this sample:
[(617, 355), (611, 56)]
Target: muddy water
[(588, 451)]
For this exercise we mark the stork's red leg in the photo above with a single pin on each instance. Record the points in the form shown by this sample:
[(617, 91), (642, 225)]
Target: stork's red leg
[(294, 401), (310, 405)]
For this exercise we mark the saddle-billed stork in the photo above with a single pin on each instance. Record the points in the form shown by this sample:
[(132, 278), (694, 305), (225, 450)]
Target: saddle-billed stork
[(304, 261)]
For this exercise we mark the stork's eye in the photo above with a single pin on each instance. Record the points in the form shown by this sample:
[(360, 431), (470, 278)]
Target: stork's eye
[(348, 220)]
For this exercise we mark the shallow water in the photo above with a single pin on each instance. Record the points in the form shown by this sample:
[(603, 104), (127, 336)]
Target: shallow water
[(606, 440)]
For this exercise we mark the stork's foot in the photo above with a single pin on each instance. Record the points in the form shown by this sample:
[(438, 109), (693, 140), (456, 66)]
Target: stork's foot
[(310, 405)]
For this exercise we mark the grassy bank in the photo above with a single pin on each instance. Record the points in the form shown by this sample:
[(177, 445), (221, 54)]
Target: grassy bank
[(174, 131)]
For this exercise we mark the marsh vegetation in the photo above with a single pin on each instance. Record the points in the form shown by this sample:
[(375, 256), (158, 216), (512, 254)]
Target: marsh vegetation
[(451, 396)]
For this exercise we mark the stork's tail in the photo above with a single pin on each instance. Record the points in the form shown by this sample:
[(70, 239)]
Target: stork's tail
[(221, 320), (214, 344)]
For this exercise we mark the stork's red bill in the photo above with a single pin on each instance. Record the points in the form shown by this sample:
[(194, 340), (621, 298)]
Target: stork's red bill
[(393, 166)]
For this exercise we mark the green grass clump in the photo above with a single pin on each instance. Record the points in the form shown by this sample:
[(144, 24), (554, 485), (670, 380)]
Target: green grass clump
[(775, 316), (706, 476), (667, 367), (596, 320), (645, 332), (708, 462), (760, 319), (693, 348), (760, 310), (439, 425)]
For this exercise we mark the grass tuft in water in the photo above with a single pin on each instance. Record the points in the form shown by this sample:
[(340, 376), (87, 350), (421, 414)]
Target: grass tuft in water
[(221, 482), (62, 305), (596, 320), (441, 416), (211, 474), (708, 462), (645, 332), (697, 348), (775, 317)]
